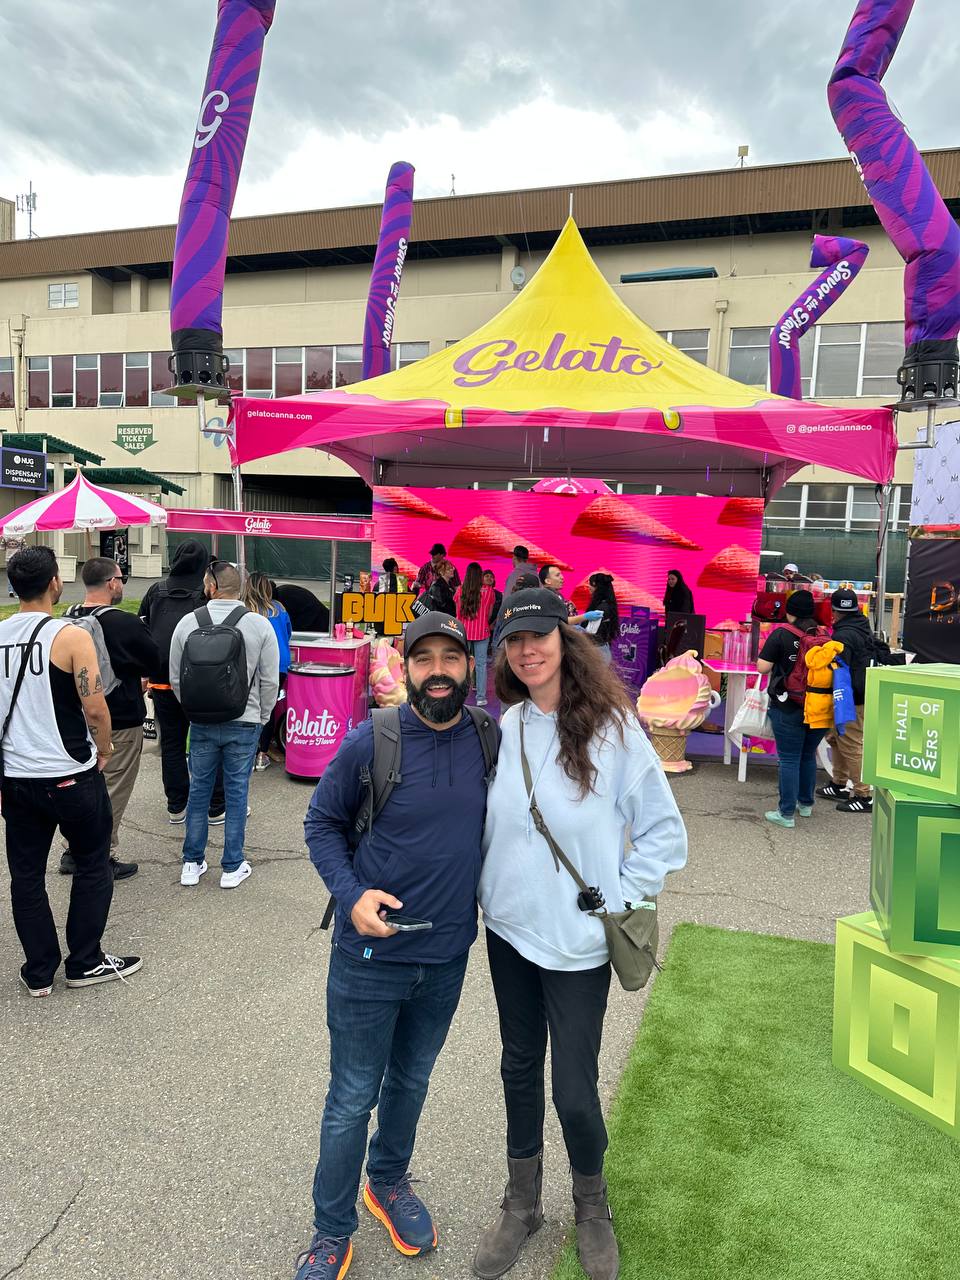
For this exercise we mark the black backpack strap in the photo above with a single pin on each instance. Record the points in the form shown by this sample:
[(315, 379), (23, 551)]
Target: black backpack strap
[(385, 774), (489, 735), (24, 663), (234, 616), (377, 782), (203, 617)]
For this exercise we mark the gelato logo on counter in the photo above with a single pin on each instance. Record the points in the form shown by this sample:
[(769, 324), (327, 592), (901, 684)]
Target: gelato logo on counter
[(257, 524), (308, 730), (380, 608)]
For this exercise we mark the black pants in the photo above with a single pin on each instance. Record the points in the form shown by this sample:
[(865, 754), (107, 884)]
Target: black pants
[(571, 1005), (174, 727), (33, 808), (270, 728)]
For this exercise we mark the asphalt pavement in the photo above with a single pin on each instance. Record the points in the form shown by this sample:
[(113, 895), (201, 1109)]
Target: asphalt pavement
[(167, 1127)]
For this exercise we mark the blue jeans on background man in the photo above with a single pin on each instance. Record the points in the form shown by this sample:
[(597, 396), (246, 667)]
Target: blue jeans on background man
[(479, 649), (387, 1024), (233, 746), (797, 756)]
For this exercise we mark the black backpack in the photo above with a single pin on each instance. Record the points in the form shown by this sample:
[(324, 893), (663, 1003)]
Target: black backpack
[(168, 605), (379, 781), (213, 669)]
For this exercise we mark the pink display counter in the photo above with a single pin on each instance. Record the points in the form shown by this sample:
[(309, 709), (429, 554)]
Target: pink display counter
[(316, 646), (320, 703)]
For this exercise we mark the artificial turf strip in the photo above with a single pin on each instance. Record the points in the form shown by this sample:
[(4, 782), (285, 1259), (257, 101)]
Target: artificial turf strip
[(738, 1150)]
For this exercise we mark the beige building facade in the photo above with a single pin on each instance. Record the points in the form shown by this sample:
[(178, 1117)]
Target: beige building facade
[(85, 324)]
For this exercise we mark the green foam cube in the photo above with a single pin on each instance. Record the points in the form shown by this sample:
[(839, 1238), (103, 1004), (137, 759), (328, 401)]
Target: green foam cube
[(915, 874), (911, 730), (896, 1023)]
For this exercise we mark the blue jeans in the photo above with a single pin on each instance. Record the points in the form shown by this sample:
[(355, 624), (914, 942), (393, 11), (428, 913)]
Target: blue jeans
[(479, 649), (233, 747), (387, 1024), (797, 755)]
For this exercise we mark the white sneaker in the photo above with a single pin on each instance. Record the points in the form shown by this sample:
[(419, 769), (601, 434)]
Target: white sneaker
[(191, 872), (231, 879)]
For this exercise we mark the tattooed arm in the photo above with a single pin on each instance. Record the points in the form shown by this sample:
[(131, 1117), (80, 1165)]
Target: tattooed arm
[(73, 651)]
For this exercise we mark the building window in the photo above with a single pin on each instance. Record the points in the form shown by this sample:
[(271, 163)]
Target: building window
[(258, 362), (694, 343), (38, 382), (111, 381), (405, 353), (750, 356), (6, 382), (288, 371), (87, 381), (319, 368), (836, 360), (235, 372), (160, 379), (783, 511), (882, 357), (62, 396), (348, 365), (62, 295), (136, 373)]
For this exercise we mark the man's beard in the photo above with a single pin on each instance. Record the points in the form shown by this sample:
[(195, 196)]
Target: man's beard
[(438, 710)]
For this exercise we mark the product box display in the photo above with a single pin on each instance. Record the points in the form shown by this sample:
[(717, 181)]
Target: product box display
[(911, 730), (915, 874), (896, 1022)]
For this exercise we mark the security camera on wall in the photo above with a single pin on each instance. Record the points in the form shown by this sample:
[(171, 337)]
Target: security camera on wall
[(518, 277)]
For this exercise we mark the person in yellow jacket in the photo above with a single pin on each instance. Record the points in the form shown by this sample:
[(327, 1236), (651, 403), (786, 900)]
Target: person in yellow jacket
[(818, 704)]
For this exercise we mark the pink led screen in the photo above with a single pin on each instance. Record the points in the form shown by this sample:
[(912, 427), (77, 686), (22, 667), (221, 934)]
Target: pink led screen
[(714, 542)]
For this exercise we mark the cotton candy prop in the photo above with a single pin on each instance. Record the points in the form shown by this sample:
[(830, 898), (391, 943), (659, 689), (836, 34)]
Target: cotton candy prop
[(386, 676), (671, 702)]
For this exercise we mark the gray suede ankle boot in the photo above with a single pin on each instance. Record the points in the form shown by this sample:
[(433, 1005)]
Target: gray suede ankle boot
[(521, 1214), (596, 1243)]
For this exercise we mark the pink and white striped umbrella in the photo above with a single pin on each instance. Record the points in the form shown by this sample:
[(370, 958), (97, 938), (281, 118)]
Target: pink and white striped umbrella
[(82, 505), (562, 484)]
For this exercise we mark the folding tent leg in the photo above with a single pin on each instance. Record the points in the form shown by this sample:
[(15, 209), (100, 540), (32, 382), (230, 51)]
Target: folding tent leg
[(880, 596)]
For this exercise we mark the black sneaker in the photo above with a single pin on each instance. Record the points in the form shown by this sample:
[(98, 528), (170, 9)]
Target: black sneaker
[(109, 969), (217, 819), (121, 870), (858, 804), (833, 792)]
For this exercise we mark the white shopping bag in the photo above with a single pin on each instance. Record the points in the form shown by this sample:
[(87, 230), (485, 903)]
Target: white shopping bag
[(752, 720)]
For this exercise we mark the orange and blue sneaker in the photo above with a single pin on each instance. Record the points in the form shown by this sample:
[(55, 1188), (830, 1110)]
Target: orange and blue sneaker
[(328, 1258), (405, 1216)]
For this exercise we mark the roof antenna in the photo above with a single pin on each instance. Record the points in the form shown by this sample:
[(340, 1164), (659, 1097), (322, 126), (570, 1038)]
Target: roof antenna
[(453, 179), (571, 205)]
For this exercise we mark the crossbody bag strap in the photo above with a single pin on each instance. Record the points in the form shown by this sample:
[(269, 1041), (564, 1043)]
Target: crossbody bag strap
[(25, 662), (559, 857)]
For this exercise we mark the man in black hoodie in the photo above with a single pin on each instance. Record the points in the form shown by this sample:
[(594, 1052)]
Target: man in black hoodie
[(164, 604), (852, 630)]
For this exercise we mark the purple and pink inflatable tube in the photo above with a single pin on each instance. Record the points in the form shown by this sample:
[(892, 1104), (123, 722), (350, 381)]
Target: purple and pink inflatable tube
[(387, 270), (196, 300)]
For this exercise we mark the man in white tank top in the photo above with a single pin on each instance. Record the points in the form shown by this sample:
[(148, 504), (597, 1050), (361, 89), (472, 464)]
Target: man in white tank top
[(55, 742)]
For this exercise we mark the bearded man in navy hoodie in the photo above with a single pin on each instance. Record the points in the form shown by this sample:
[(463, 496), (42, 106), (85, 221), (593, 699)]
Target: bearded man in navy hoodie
[(391, 995)]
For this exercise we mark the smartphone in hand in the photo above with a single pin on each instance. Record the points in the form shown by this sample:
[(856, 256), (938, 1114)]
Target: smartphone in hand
[(405, 924)]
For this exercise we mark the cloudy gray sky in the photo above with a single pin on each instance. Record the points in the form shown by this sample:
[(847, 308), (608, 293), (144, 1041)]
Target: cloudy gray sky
[(100, 96)]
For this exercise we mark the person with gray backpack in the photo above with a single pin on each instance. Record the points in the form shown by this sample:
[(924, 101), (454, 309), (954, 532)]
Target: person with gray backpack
[(225, 672), (126, 655)]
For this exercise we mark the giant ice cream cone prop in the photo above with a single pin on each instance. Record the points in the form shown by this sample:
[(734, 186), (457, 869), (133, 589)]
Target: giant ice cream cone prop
[(673, 701)]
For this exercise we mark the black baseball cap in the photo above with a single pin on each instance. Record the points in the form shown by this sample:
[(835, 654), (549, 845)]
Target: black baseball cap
[(435, 624), (533, 609), (845, 601)]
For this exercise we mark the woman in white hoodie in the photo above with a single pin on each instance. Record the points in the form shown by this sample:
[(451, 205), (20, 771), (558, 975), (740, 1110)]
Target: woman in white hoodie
[(605, 800)]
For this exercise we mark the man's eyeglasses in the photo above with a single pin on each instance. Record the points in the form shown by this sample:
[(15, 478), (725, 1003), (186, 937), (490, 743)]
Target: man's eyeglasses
[(119, 577)]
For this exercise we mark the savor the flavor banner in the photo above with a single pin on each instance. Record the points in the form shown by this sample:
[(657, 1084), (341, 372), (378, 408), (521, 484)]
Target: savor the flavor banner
[(713, 542)]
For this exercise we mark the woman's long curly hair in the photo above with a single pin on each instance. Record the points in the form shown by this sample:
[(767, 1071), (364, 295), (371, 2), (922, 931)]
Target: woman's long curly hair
[(592, 699)]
